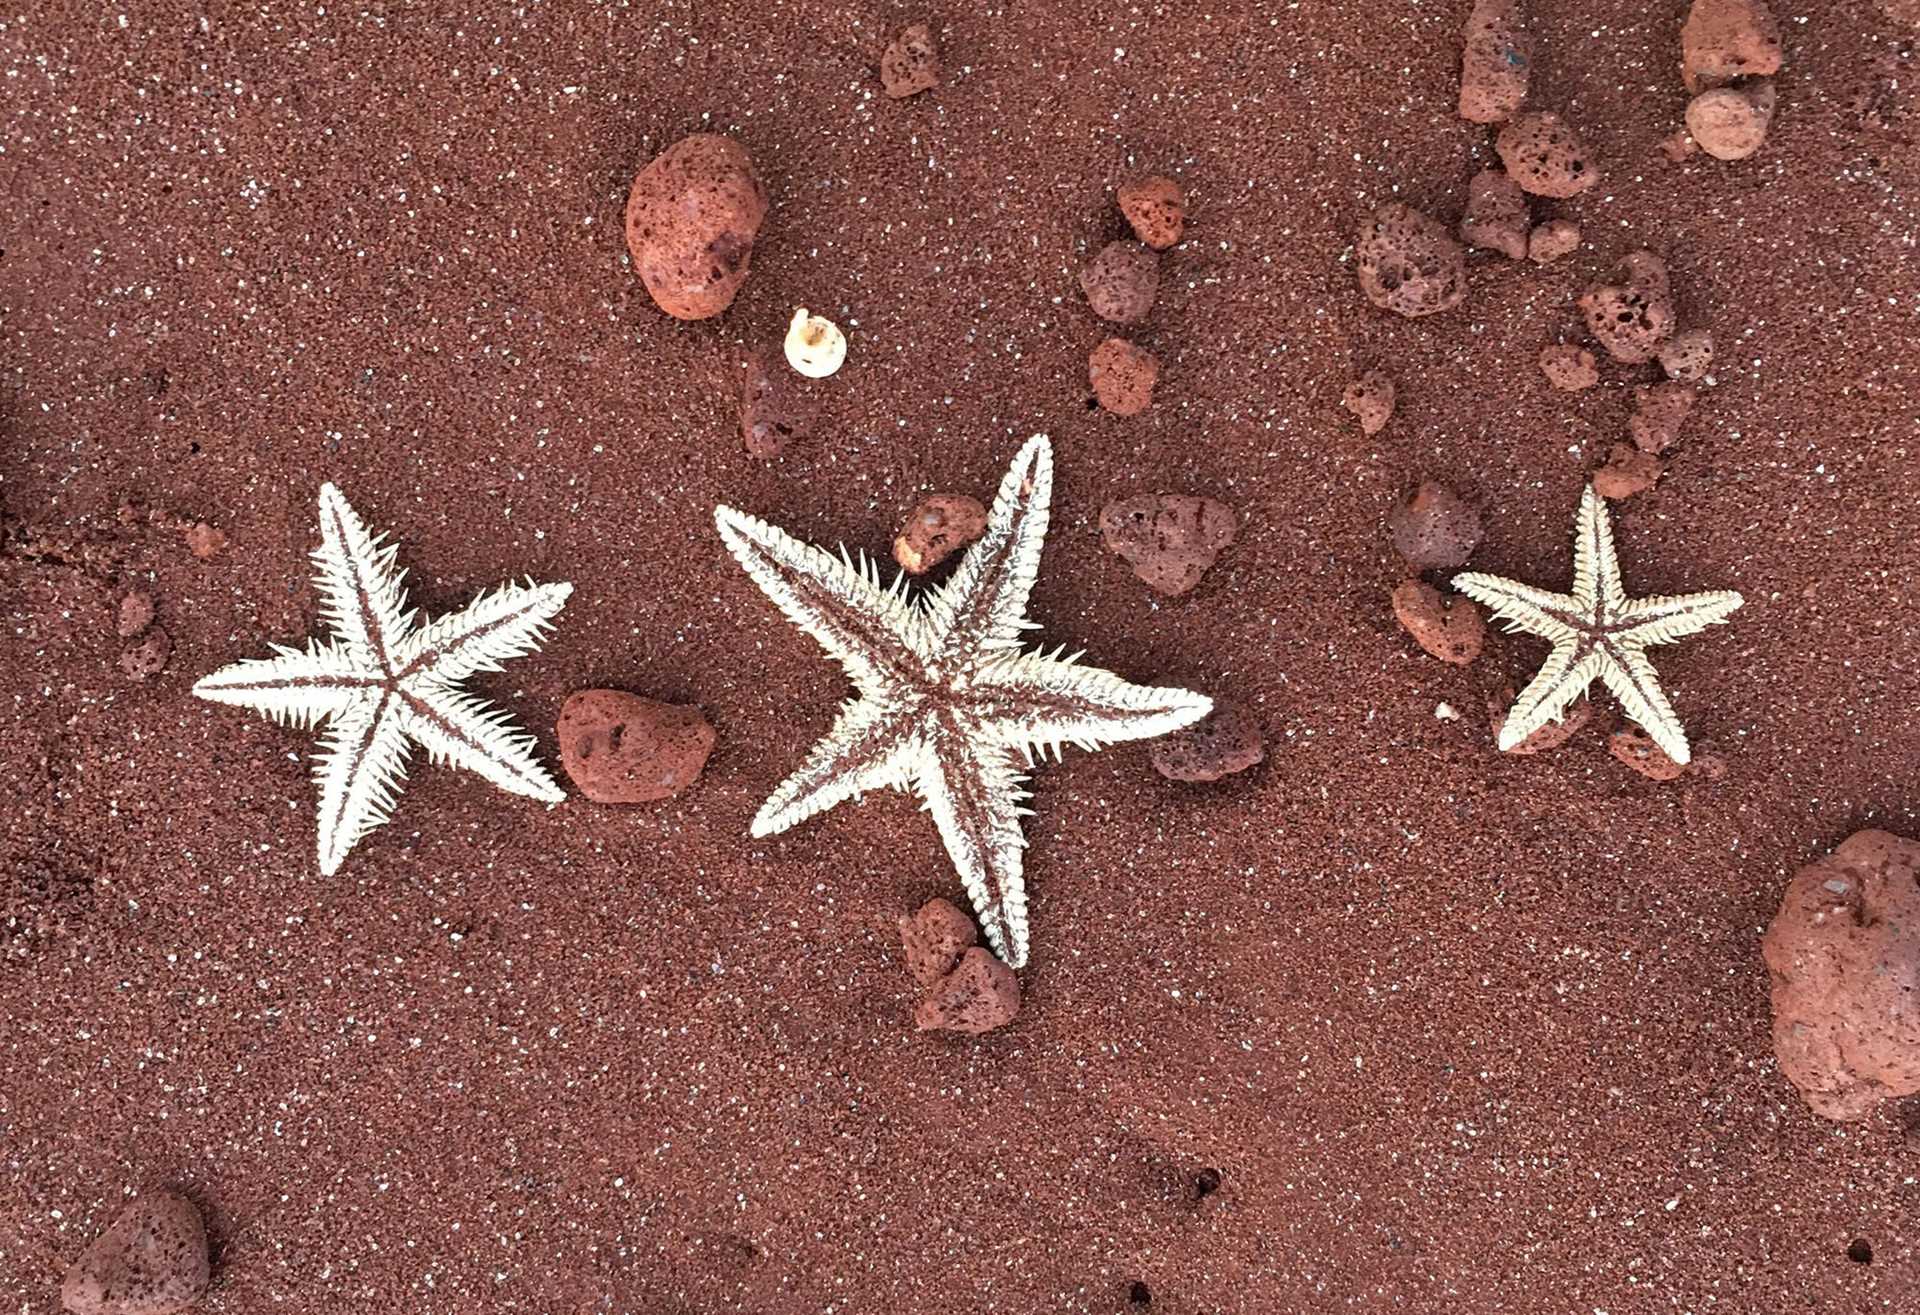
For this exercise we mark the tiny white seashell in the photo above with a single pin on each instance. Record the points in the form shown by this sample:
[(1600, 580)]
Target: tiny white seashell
[(815, 345)]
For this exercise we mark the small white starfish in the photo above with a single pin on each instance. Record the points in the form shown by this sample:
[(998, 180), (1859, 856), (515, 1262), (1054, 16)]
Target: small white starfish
[(381, 682), (949, 706), (1596, 632)]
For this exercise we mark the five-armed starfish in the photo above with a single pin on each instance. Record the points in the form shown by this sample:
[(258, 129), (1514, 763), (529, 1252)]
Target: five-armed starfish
[(382, 682), (1596, 631), (948, 704)]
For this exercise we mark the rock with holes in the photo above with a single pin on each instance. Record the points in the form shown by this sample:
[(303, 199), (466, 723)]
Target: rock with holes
[(1636, 749), (933, 937), (1409, 264), (1155, 208), (1370, 398), (1496, 61), (1731, 122), (1169, 539), (1725, 40), (1496, 217), (1628, 471), (619, 748), (692, 218), (1659, 410), (1687, 356), (136, 613), (1548, 737), (979, 995), (1226, 741), (1633, 314), (774, 408), (1843, 955), (1569, 368), (911, 63), (937, 528), (1552, 240), (152, 1260), (1121, 282), (1122, 377), (1450, 628), (1433, 528), (149, 657), (1545, 156)]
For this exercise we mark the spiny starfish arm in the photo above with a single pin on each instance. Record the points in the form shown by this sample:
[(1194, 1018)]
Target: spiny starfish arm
[(1665, 619), (361, 765), (465, 730), (1562, 678), (1035, 701), (1523, 607), (510, 621), (1596, 565), (872, 745), (869, 630), (984, 605), (360, 591), (975, 791), (296, 687), (1637, 686)]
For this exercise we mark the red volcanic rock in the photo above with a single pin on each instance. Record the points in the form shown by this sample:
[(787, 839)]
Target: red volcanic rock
[(911, 64), (619, 748), (1730, 123), (1450, 628), (1370, 398), (774, 411), (1628, 471), (1169, 539), (1688, 355), (1122, 376), (1723, 40), (937, 528), (1497, 216), (1843, 954), (1634, 314), (1636, 749), (149, 656), (1409, 264), (933, 937), (978, 996), (1543, 155), (203, 541), (1433, 528), (1658, 412), (136, 613), (1227, 740), (1156, 208), (1496, 61), (1122, 282), (692, 217), (152, 1260), (1550, 736), (1569, 368), (1550, 241)]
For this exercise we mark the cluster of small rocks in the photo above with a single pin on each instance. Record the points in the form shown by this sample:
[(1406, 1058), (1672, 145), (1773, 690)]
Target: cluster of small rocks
[(1729, 52), (1121, 283), (620, 748), (964, 988)]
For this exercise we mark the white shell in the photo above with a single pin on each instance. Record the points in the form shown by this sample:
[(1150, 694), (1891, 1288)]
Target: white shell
[(815, 346)]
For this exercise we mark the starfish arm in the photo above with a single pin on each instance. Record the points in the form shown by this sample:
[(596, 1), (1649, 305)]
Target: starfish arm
[(295, 687), (869, 630), (360, 589), (1523, 607), (1562, 678), (872, 745), (1034, 701), (504, 624), (361, 765), (1637, 686), (465, 730), (1666, 619), (1596, 564), (974, 791), (984, 605)]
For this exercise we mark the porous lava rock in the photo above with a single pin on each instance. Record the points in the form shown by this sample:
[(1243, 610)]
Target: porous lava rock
[(619, 748), (1568, 367), (692, 218), (1659, 410), (1636, 749), (1550, 241), (1121, 282), (1724, 40), (1843, 956), (1496, 217), (1731, 122), (1548, 737), (1628, 471), (1122, 376), (1544, 155), (1370, 398), (1450, 628), (933, 937), (1633, 314), (149, 657), (1495, 62), (939, 526), (979, 995), (911, 63), (774, 408), (1155, 208), (135, 615), (203, 540), (1687, 356), (152, 1260), (1169, 539), (1432, 528), (1409, 264), (1225, 741)]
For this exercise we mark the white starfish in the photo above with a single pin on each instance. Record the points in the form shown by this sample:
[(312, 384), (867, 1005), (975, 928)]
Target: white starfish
[(382, 682), (1596, 632), (948, 705)]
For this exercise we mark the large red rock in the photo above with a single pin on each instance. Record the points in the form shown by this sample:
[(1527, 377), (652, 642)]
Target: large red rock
[(1659, 410), (1496, 62), (933, 937), (1450, 628), (1844, 957), (1730, 123), (619, 748), (1122, 377), (1545, 156), (1225, 741), (692, 218), (1169, 539), (1370, 398), (152, 1260), (1434, 528), (1121, 282), (1723, 40), (1155, 208), (1408, 263), (938, 527), (1632, 315), (911, 63), (979, 995), (1497, 216)]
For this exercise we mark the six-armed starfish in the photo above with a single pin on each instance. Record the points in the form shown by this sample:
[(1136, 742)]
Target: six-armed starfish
[(948, 705), (1596, 632)]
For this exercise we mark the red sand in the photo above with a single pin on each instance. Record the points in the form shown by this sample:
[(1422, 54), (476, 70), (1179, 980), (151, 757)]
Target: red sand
[(1456, 1032)]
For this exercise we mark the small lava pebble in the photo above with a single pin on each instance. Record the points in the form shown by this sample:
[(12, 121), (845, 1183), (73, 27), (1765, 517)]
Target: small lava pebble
[(1409, 264), (1659, 410), (1227, 740), (774, 408), (1569, 368), (1122, 376), (203, 541), (1636, 749), (692, 218), (1370, 398), (619, 748), (933, 937), (1495, 62), (1169, 539), (1121, 282), (152, 1260), (1543, 155), (979, 995), (1628, 471), (1548, 737), (1552, 240), (938, 527), (1634, 313), (1450, 628), (1497, 218), (148, 657), (1688, 355), (136, 613), (1723, 40), (911, 63), (1433, 528), (1156, 209), (1730, 123)]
